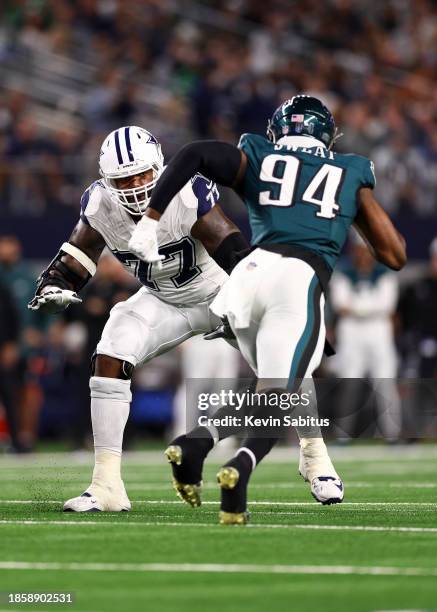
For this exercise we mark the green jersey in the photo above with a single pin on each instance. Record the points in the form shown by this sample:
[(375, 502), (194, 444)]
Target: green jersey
[(304, 194)]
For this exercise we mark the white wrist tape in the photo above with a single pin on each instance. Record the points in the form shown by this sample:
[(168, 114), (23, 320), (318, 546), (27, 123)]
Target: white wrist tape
[(80, 256)]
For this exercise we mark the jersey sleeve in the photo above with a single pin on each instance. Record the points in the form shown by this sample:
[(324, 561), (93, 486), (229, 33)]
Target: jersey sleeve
[(200, 194), (368, 178), (89, 203), (83, 204), (244, 142), (250, 143)]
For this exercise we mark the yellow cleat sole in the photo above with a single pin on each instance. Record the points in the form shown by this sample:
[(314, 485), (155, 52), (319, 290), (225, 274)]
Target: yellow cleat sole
[(233, 518), (228, 477), (174, 454), (188, 493)]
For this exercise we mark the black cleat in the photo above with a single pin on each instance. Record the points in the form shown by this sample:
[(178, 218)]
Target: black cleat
[(186, 456), (233, 479)]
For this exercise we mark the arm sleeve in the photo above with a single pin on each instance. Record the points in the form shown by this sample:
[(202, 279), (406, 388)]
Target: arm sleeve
[(230, 251), (218, 161)]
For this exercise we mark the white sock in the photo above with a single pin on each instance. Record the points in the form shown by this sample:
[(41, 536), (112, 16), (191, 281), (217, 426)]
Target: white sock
[(110, 402)]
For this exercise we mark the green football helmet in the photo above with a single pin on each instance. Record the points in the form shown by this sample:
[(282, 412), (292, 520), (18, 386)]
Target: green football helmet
[(303, 116)]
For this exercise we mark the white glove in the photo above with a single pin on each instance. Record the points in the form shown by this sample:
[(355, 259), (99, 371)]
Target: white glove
[(144, 241), (53, 299)]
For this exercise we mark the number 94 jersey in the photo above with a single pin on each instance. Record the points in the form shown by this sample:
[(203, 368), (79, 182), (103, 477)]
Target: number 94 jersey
[(298, 192), (188, 275)]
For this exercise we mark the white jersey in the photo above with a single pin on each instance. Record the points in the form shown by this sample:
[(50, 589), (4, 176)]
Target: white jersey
[(188, 275)]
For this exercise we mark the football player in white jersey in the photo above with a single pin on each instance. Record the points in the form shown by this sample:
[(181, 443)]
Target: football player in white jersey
[(196, 245)]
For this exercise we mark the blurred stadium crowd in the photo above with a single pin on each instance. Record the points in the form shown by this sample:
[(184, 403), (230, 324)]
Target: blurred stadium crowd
[(71, 71)]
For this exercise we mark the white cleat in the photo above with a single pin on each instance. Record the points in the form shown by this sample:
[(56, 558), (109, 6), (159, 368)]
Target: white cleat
[(315, 466), (98, 498), (327, 490)]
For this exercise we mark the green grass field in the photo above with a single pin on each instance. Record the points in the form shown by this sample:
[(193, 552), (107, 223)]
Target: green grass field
[(376, 551)]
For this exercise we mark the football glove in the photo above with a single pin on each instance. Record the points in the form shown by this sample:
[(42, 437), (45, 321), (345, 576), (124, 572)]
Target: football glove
[(144, 241), (53, 299)]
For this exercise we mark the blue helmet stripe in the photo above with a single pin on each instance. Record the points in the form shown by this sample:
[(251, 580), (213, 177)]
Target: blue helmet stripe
[(128, 144), (117, 148)]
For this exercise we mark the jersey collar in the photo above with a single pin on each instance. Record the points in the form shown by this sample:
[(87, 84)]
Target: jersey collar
[(301, 141)]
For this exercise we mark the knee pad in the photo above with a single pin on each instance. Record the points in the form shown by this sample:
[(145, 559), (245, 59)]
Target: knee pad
[(110, 388)]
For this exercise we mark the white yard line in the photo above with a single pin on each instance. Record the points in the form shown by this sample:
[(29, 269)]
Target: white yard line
[(137, 486), (140, 485), (222, 567), (215, 503), (123, 524)]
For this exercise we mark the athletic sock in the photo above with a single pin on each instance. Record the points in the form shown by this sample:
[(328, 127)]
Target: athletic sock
[(257, 448), (110, 401), (316, 459)]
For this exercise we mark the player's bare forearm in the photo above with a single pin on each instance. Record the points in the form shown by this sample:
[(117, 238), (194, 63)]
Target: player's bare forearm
[(375, 226), (213, 228), (220, 237), (219, 161), (89, 241), (73, 265)]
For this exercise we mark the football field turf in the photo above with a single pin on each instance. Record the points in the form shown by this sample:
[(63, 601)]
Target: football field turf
[(376, 551)]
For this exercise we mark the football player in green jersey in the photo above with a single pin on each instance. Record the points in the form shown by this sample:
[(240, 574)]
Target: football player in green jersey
[(302, 198)]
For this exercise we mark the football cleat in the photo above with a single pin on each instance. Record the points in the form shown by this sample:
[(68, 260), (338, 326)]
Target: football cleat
[(186, 457), (99, 498), (233, 518), (327, 490), (233, 479), (315, 466), (189, 493)]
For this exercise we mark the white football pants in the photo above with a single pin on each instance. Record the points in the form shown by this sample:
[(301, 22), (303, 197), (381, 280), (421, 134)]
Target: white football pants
[(144, 326), (275, 306)]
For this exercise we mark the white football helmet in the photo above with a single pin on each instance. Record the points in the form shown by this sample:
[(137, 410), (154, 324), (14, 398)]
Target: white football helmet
[(126, 152)]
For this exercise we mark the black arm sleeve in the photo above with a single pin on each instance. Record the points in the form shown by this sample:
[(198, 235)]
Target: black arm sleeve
[(230, 251), (218, 161)]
